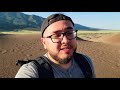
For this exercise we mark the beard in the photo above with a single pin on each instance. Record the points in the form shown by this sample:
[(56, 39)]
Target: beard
[(62, 60)]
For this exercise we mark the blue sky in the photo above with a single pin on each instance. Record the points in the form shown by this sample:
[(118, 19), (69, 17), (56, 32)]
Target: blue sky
[(104, 20)]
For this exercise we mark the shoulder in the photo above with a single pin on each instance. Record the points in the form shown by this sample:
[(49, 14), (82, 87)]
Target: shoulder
[(88, 58), (90, 61), (27, 71), (85, 56)]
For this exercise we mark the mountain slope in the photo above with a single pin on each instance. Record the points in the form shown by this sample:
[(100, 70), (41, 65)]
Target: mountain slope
[(15, 20)]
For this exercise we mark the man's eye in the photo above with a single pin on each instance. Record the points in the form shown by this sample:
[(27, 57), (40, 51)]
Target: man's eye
[(69, 33), (56, 35)]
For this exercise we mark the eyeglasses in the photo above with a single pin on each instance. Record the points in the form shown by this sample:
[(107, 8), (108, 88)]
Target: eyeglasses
[(58, 37)]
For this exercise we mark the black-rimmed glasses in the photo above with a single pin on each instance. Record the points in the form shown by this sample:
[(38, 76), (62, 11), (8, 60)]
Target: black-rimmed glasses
[(58, 37)]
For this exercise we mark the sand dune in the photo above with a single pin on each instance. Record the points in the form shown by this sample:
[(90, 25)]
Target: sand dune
[(106, 57), (111, 39)]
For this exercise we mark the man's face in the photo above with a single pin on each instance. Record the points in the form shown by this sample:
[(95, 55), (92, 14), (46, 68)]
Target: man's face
[(62, 51)]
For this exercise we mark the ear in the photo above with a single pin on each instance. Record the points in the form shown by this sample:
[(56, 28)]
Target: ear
[(43, 42)]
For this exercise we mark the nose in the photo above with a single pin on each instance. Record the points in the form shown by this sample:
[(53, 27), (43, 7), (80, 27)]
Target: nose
[(65, 39)]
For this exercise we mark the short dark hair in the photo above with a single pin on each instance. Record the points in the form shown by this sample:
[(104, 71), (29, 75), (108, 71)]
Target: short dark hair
[(54, 18)]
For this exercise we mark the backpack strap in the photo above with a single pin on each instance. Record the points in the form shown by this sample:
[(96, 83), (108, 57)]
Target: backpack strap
[(43, 67), (84, 65)]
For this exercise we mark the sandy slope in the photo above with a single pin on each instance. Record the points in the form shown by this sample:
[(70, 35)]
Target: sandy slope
[(110, 39), (106, 57)]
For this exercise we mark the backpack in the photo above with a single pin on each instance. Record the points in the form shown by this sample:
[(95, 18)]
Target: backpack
[(45, 69)]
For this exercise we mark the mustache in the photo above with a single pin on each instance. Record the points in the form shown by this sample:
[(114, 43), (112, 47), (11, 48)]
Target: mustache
[(68, 46)]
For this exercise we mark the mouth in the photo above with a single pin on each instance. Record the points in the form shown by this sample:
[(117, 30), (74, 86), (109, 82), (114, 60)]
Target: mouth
[(66, 49)]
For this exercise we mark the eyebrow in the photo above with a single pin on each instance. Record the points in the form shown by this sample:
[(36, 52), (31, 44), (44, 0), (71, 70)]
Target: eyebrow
[(65, 28), (69, 28)]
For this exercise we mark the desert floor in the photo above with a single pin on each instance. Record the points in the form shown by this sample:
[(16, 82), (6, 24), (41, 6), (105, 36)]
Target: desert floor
[(103, 49)]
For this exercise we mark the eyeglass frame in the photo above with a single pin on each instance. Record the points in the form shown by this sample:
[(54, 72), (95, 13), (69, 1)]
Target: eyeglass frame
[(64, 34)]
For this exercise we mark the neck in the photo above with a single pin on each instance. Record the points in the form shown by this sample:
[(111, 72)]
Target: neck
[(64, 66)]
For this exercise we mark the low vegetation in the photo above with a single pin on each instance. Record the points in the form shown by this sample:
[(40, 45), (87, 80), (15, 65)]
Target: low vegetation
[(95, 34)]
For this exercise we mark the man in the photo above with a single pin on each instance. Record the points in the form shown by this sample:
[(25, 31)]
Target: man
[(59, 39)]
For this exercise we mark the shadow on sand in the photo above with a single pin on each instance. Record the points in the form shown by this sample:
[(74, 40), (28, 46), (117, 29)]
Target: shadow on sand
[(80, 39)]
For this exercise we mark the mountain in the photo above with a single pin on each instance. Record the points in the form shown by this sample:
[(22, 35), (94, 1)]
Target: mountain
[(16, 21), (81, 27)]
